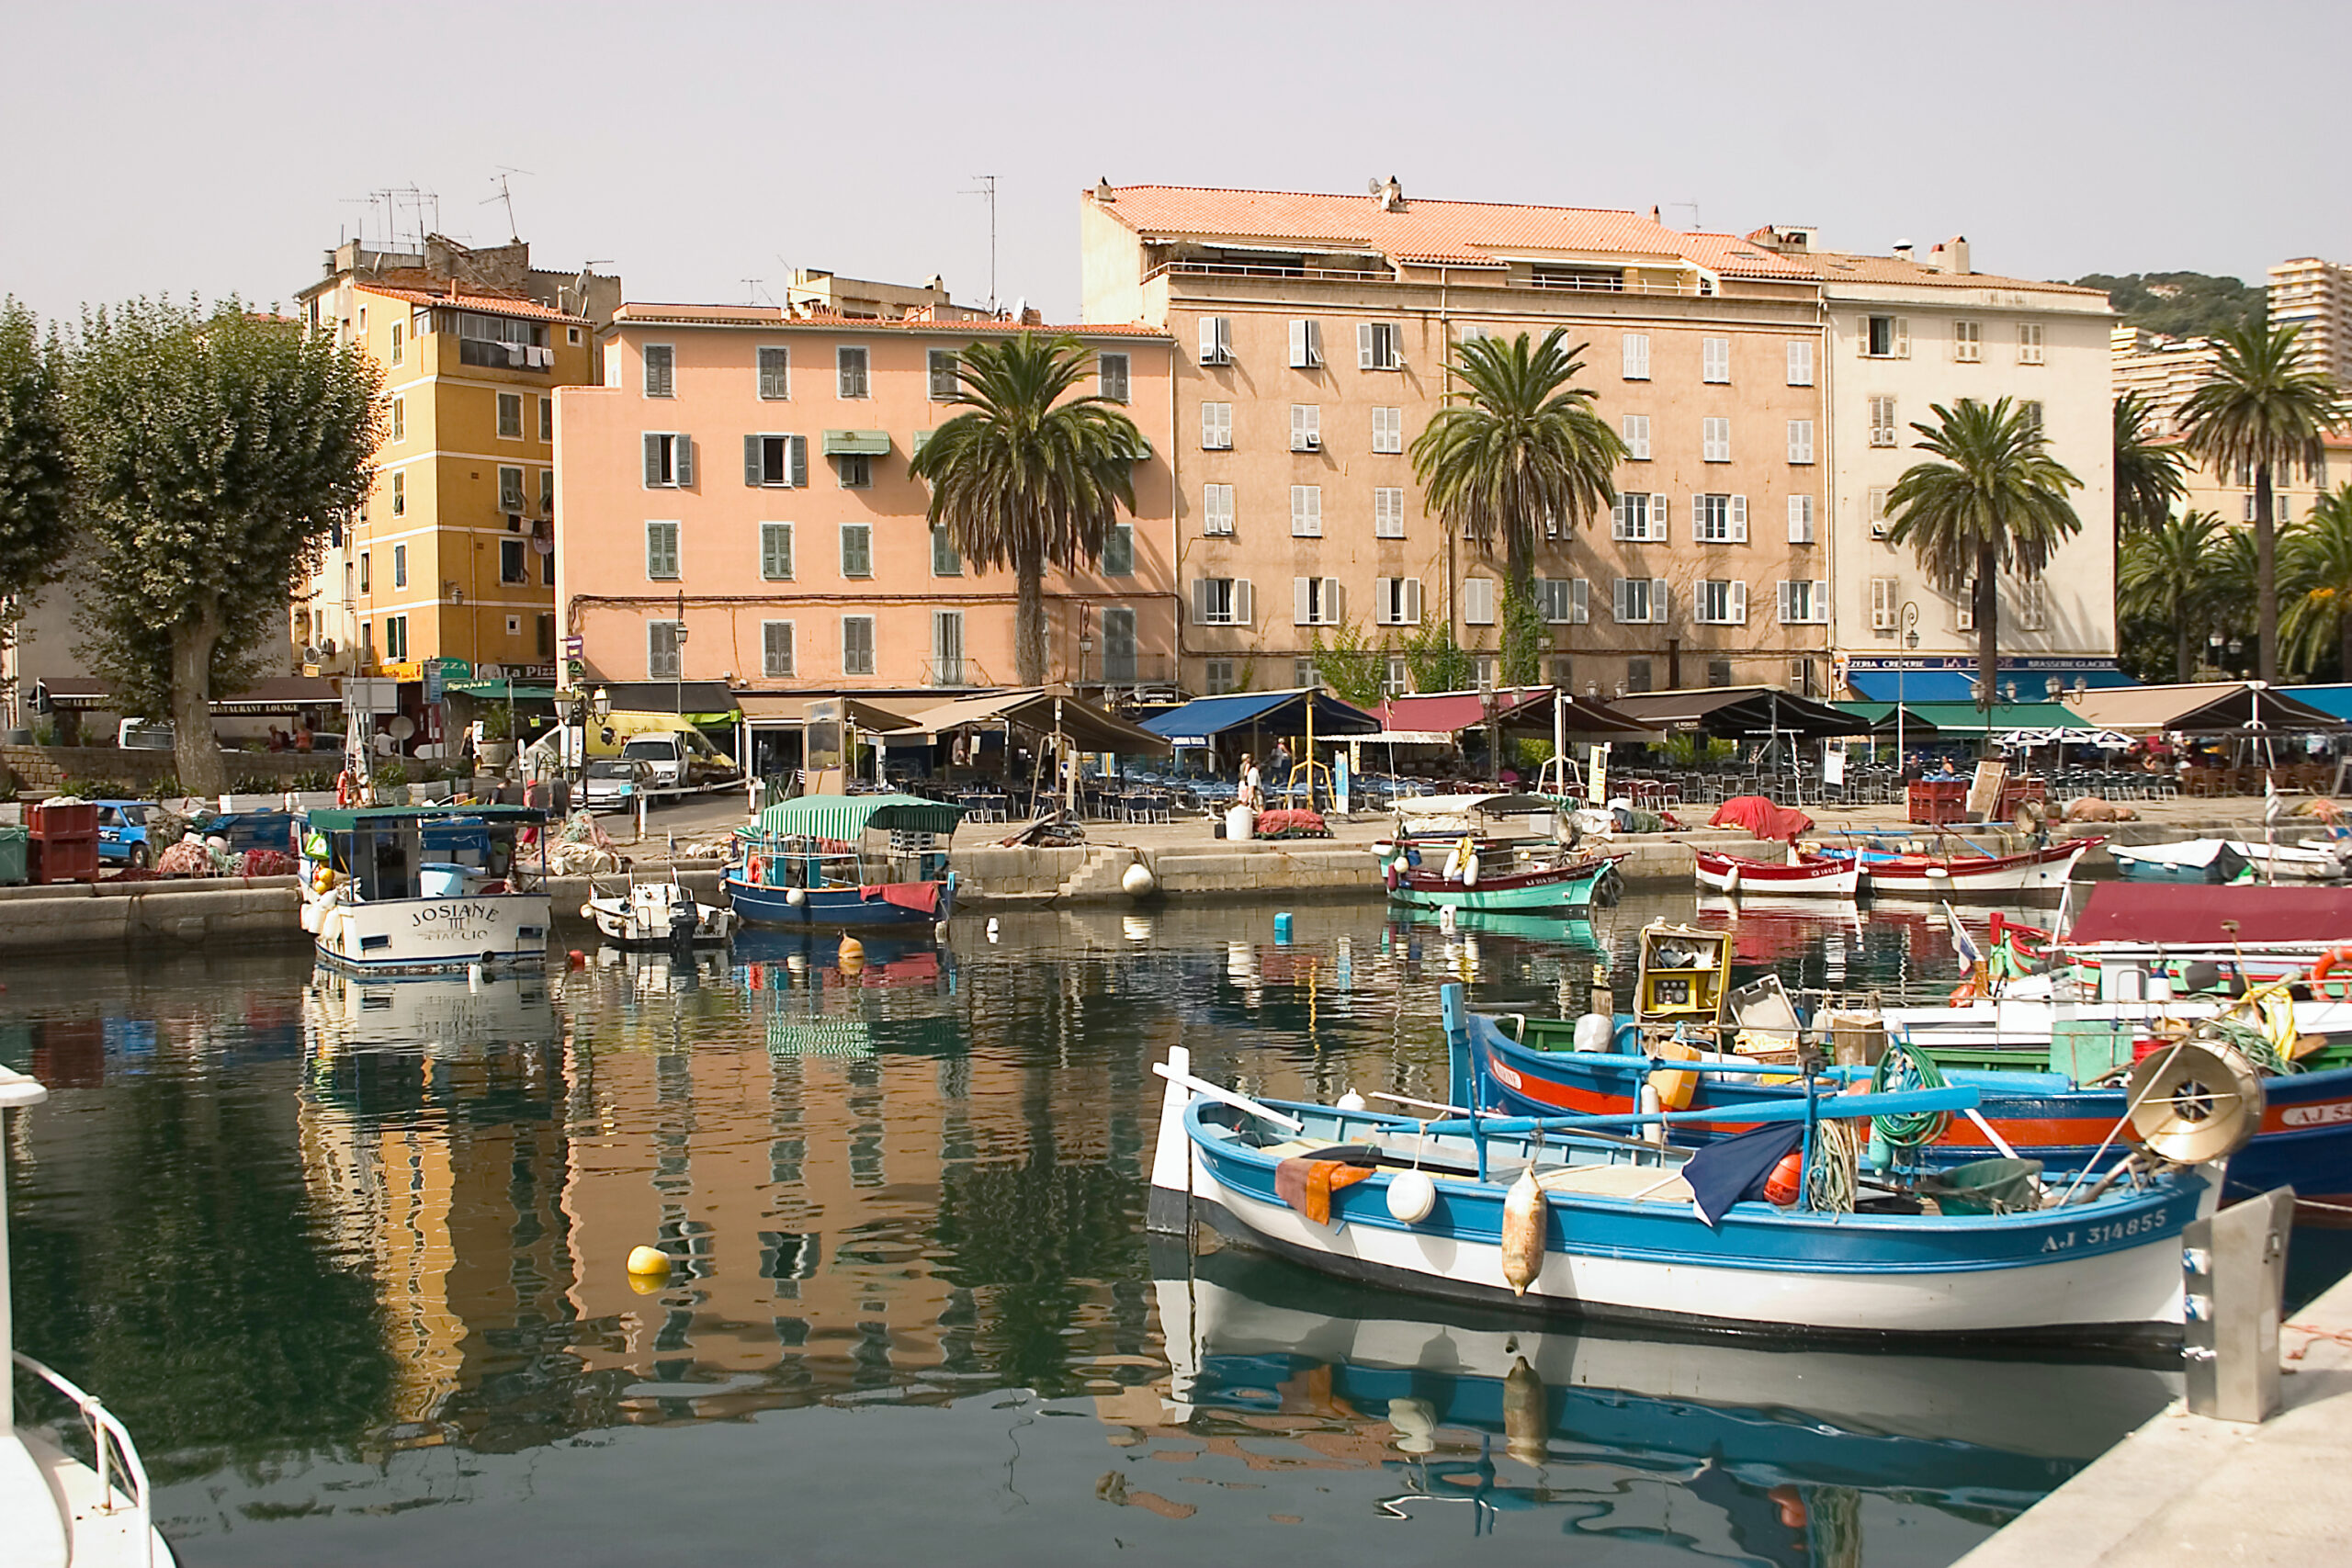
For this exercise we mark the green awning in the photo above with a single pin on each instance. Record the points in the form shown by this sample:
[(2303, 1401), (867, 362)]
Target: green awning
[(846, 816), (1967, 718), (856, 442), (501, 691), (392, 815)]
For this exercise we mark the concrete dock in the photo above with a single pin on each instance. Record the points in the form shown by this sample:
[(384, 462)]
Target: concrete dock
[(2185, 1492)]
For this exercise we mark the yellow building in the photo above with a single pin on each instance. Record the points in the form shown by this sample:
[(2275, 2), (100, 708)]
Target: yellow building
[(452, 555)]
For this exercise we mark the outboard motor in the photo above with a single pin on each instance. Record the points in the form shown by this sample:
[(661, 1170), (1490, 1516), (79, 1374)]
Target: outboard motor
[(683, 917)]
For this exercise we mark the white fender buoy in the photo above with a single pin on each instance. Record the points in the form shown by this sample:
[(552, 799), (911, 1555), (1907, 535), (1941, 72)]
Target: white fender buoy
[(1523, 1239), (939, 931), (1415, 1423), (1138, 880), (475, 975), (1594, 1031), (794, 896), (1526, 1413), (1731, 881), (1470, 870), (1350, 1100), (1411, 1196)]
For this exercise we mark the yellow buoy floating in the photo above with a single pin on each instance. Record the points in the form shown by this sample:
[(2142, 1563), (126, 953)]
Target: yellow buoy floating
[(853, 954), (650, 1262)]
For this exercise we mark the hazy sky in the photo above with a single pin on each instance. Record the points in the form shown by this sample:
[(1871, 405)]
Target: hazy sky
[(689, 147)]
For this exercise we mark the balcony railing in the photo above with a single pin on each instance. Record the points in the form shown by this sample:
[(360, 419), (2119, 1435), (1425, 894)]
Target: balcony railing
[(495, 356), (949, 672), (1487, 278), (1118, 670)]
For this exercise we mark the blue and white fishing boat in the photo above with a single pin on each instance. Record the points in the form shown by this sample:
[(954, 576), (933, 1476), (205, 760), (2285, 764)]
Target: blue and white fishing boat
[(813, 861), (1563, 1216), (418, 890)]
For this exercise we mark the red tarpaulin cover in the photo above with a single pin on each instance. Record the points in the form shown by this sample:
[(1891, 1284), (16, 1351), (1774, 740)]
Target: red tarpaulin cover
[(1761, 817), (923, 897), (2191, 914)]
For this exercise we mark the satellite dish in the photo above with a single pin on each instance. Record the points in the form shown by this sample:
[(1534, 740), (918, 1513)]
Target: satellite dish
[(401, 726), (2195, 1102), (1372, 185)]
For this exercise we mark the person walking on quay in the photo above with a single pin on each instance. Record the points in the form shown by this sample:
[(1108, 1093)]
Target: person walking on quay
[(1252, 795), (1281, 767)]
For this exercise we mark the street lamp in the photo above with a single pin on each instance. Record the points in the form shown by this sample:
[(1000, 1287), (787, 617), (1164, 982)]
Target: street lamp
[(1910, 619)]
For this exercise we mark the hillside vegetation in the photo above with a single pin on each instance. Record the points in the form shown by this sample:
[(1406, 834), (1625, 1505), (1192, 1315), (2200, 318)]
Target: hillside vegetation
[(2179, 304)]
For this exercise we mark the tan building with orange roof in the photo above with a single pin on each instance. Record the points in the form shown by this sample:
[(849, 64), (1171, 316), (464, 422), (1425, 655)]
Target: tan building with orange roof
[(735, 503), (1313, 334)]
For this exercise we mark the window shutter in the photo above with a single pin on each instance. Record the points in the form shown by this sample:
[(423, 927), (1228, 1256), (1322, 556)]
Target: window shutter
[(652, 462), (1800, 519), (685, 462), (1302, 608), (798, 470), (1412, 615), (1657, 518), (1244, 611), (1735, 602), (1331, 615), (1739, 519), (1620, 594), (1637, 357), (1800, 363), (1384, 600), (1363, 345), (1902, 338), (1580, 601), (1208, 340), (1820, 605), (752, 471), (1637, 435), (1658, 600), (1298, 359), (1200, 601), (1617, 523)]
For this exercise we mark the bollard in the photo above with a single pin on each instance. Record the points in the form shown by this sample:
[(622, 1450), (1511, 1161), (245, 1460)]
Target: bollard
[(1282, 930), (2234, 1274)]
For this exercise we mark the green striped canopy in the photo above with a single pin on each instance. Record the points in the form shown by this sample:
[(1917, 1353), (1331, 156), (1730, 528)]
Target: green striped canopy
[(846, 816)]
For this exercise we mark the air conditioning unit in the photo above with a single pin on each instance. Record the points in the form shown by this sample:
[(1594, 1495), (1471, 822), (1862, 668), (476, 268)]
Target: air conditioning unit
[(1878, 530), (514, 522), (326, 649)]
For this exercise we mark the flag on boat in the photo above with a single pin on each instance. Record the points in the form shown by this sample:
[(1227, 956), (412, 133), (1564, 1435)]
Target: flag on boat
[(1963, 946)]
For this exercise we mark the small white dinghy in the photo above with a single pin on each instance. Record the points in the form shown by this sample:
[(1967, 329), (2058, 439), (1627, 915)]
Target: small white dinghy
[(55, 1510), (658, 914)]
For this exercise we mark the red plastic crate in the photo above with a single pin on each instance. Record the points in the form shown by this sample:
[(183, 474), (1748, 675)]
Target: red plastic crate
[(77, 819), (63, 860)]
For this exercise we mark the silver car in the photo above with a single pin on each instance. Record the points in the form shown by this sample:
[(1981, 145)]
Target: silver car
[(614, 784)]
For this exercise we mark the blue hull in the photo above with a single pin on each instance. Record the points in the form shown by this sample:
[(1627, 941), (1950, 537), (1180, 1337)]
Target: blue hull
[(2305, 1140), (832, 908)]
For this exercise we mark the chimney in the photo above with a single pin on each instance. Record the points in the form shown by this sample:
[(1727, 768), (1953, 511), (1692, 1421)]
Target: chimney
[(1951, 256), (1654, 212), (1103, 195), (1903, 250), (937, 285), (1392, 196)]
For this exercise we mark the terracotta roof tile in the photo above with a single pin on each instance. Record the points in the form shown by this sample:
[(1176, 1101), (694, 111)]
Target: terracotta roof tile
[(1418, 228), (488, 304), (1835, 267), (768, 319), (1728, 256)]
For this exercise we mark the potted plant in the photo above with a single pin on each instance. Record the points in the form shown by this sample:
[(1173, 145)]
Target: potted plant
[(391, 781), (497, 737)]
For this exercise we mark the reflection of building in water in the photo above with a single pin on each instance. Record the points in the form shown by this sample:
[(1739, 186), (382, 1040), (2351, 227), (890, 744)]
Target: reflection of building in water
[(441, 1168), (864, 1183)]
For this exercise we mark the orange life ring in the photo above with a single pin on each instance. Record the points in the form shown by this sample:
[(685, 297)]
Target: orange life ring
[(2329, 963), (752, 869), (1962, 993), (345, 788)]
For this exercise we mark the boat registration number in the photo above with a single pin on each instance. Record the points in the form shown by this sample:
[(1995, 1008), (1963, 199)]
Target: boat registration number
[(2109, 1234), (2316, 1115)]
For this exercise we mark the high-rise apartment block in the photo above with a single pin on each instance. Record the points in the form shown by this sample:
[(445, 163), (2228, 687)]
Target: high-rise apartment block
[(2316, 295)]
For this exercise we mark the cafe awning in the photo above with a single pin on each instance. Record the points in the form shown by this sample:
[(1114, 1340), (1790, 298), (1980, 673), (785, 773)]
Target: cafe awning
[(1202, 720), (1966, 719), (1042, 710), (856, 442), (278, 695), (2207, 707), (1429, 717), (787, 710), (1739, 711)]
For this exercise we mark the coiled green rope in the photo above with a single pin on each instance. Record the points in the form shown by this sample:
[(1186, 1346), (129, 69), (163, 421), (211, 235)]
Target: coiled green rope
[(1906, 1065)]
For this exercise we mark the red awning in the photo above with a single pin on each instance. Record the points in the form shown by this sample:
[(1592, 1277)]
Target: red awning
[(1453, 712), (2192, 914)]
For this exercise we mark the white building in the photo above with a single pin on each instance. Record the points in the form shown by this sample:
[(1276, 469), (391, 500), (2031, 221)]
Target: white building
[(1906, 333)]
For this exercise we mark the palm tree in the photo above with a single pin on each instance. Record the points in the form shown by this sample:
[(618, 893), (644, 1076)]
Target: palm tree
[(2261, 410), (2169, 574), (1998, 502), (1030, 478), (1516, 446), (2148, 472), (2315, 558)]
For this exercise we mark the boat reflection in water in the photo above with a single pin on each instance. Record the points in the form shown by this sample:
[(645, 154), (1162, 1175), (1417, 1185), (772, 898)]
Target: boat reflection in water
[(1725, 1452), (439, 1014)]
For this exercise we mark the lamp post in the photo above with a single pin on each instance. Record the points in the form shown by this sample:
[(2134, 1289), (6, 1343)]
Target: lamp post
[(1910, 619)]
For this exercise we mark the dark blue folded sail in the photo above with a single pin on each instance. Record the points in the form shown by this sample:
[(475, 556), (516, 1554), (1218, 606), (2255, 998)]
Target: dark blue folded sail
[(1733, 1168)]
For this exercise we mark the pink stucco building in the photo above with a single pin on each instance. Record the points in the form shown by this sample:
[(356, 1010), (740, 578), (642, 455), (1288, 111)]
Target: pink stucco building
[(735, 503)]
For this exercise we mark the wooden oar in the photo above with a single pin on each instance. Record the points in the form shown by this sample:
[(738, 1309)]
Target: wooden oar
[(1227, 1097)]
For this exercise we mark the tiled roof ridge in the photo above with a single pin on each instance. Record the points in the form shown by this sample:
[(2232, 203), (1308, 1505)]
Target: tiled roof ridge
[(1408, 204)]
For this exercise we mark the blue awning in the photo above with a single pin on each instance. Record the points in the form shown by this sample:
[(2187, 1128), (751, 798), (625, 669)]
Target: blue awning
[(2335, 700), (1202, 720), (1947, 680)]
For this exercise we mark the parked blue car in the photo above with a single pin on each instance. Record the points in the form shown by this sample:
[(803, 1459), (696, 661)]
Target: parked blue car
[(122, 833)]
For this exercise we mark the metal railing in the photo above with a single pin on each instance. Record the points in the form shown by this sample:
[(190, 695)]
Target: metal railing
[(113, 1453), (1487, 277), (492, 354), (956, 671)]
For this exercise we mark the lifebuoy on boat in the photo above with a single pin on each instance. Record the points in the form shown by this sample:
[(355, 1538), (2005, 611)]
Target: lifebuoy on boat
[(1963, 993), (752, 869), (2334, 959)]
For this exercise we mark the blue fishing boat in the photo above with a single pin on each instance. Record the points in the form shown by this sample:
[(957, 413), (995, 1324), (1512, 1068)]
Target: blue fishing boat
[(1563, 1216), (2205, 861), (813, 861)]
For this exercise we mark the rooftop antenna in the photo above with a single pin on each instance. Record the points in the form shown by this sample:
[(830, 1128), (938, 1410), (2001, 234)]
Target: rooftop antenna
[(513, 236), (987, 187), (753, 287), (1693, 206)]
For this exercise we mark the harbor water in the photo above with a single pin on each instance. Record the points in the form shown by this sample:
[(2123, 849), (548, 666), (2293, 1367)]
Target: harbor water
[(349, 1261)]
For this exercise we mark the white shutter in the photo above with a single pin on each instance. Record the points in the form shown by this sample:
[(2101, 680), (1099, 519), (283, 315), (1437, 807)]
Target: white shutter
[(1736, 609), (1820, 605), (1412, 615), (1620, 609), (1637, 435), (1800, 363), (1208, 340), (1384, 600), (1200, 601), (1307, 512), (1800, 519), (1478, 601), (1657, 518), (1739, 519), (1331, 614), (1881, 604), (1637, 357), (1243, 611), (1617, 515), (1787, 596), (1580, 603), (1298, 427), (1715, 359), (685, 462), (1902, 338), (1800, 441), (1302, 607), (1298, 360), (1658, 599), (1363, 345)]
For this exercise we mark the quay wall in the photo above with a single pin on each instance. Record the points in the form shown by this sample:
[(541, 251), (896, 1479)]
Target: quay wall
[(40, 769)]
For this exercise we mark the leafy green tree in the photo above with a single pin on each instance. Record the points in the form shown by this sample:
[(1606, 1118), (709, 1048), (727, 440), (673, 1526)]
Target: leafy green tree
[(2262, 409), (1517, 447), (36, 469), (2171, 575), (1437, 662), (214, 449), (1523, 628), (2315, 561), (1995, 503), (1031, 477), (1354, 666), (2148, 472)]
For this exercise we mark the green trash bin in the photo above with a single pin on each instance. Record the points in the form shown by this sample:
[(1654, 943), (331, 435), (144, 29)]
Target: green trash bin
[(13, 843)]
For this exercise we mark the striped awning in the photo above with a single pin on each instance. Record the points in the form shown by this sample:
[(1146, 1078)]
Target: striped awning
[(847, 816), (856, 442)]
